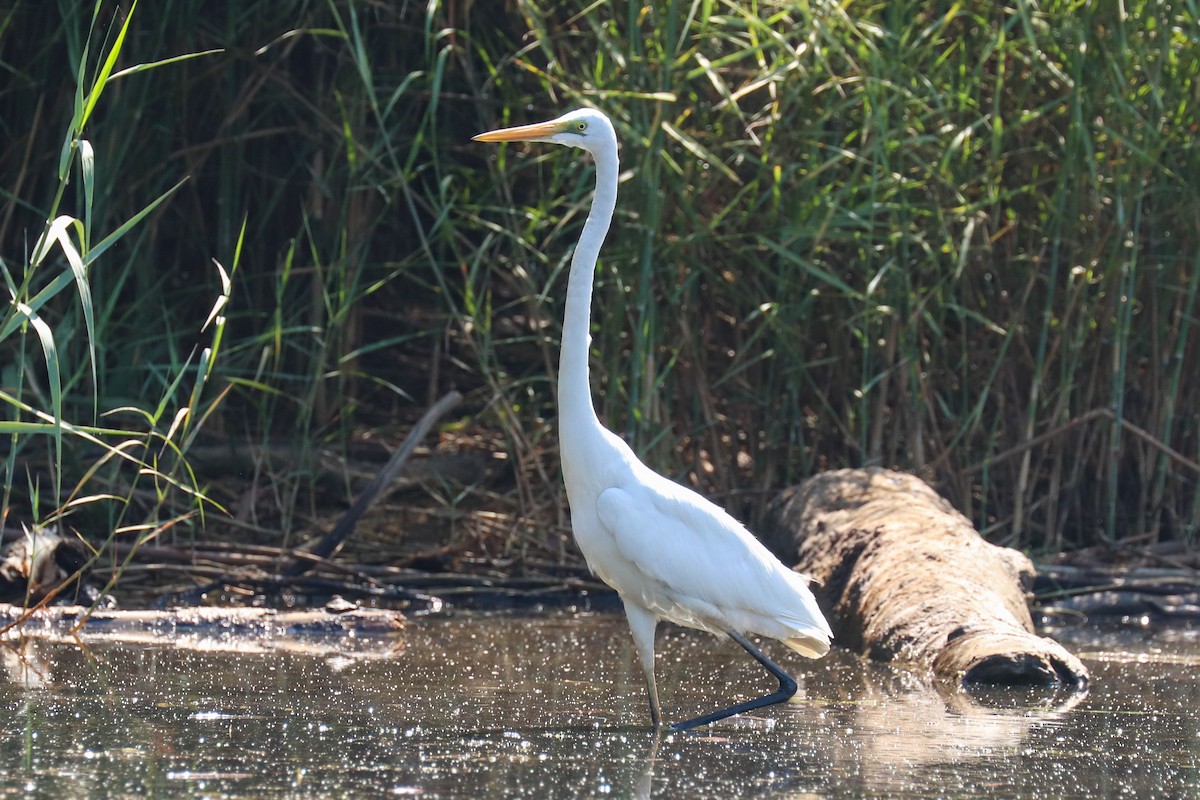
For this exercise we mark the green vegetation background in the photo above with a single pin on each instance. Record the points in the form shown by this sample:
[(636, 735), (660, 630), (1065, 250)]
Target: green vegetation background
[(959, 239)]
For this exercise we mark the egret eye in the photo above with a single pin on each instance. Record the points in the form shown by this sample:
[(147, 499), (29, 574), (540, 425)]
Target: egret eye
[(581, 126)]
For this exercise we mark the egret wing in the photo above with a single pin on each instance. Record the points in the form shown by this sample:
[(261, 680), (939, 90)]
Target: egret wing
[(689, 561)]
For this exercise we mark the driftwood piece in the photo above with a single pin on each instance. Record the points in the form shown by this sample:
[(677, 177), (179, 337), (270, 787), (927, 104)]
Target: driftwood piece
[(42, 565), (1155, 593), (905, 577), (331, 542), (339, 627)]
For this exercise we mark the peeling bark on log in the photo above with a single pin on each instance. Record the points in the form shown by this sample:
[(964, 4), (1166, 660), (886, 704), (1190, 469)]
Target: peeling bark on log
[(905, 577)]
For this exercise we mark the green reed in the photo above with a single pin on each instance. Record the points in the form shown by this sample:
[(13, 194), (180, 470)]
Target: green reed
[(958, 240)]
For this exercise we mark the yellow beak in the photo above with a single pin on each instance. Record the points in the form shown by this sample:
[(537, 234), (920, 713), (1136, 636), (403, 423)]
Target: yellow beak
[(521, 133)]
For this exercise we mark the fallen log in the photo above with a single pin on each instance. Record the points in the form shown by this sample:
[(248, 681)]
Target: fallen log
[(903, 576)]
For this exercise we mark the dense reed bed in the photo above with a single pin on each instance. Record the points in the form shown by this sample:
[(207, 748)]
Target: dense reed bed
[(957, 239)]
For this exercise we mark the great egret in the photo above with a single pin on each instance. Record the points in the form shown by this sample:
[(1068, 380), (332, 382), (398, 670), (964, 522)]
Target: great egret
[(668, 552)]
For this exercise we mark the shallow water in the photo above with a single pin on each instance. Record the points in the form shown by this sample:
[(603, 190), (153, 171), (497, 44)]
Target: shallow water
[(503, 706)]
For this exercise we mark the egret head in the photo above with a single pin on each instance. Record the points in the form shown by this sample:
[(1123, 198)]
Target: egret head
[(585, 128)]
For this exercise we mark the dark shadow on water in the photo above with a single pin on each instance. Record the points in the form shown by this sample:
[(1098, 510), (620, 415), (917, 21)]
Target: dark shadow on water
[(554, 706)]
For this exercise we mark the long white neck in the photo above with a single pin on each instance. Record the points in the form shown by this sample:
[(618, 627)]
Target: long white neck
[(574, 391)]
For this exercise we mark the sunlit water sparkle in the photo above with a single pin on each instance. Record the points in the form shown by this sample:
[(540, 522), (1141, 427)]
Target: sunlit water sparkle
[(554, 706)]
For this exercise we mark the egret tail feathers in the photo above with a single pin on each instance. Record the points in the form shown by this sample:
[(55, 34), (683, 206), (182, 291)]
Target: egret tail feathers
[(808, 646)]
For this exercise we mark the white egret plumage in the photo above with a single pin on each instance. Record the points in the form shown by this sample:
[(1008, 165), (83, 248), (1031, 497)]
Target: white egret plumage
[(668, 552)]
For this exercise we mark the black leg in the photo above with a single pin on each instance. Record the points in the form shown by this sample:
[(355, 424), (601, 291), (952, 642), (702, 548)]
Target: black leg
[(787, 688)]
